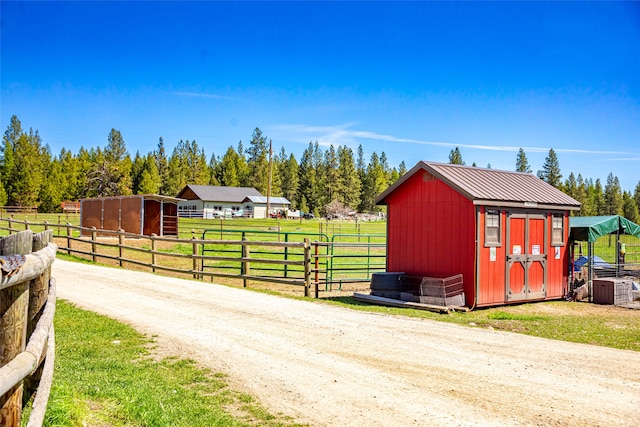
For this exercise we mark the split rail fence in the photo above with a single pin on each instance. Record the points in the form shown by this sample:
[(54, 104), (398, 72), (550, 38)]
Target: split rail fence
[(248, 256), (27, 308)]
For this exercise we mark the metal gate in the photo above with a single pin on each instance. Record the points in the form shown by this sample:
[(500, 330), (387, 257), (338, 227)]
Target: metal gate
[(527, 241)]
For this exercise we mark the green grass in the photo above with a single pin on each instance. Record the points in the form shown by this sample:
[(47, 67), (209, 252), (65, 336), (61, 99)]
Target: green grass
[(106, 375)]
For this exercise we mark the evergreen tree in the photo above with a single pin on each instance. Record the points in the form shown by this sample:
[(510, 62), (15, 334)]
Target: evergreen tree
[(612, 196), (53, 188), (136, 173), (214, 170), (257, 162), (455, 158), (328, 176), (348, 184), (550, 172), (150, 181), (580, 195), (177, 173), (229, 175), (402, 169), (598, 199), (187, 165), (28, 174), (308, 178), (7, 164), (162, 166), (110, 174), (291, 181), (522, 163), (571, 186), (629, 207), (375, 183), (636, 195)]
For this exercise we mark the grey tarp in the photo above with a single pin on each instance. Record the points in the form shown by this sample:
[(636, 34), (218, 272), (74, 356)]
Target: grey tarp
[(589, 228)]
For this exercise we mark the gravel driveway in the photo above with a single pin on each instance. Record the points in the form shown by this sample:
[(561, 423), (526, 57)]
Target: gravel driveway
[(331, 366)]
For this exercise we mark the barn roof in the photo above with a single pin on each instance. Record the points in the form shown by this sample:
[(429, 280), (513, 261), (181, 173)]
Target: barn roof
[(272, 200), (491, 186), (156, 197), (211, 193)]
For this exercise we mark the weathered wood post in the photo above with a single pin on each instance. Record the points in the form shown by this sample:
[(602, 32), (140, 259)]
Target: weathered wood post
[(307, 266), (14, 306), (38, 294), (93, 244), (120, 246), (26, 224), (154, 246), (10, 220), (246, 266), (46, 225), (195, 254), (68, 239)]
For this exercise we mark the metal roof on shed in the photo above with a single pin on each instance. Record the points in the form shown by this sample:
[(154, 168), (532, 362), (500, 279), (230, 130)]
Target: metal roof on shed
[(212, 193), (492, 186)]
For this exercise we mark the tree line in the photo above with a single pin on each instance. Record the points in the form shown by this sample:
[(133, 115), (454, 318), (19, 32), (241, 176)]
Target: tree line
[(335, 179), (322, 181)]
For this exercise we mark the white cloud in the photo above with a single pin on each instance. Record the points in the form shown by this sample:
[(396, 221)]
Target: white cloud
[(342, 135)]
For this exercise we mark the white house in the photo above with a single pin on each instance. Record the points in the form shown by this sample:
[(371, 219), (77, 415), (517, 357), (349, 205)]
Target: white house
[(208, 201)]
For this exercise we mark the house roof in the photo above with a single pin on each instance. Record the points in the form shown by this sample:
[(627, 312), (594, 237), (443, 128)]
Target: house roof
[(491, 186), (272, 200), (211, 193)]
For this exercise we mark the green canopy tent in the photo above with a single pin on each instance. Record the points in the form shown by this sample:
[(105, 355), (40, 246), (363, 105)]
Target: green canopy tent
[(590, 228)]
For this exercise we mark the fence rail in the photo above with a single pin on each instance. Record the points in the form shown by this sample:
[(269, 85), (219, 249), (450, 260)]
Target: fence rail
[(275, 257), (27, 308)]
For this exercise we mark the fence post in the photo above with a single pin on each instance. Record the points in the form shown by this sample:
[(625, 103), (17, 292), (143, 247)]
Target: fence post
[(26, 224), (307, 266), (245, 269), (120, 245), (10, 220), (68, 239), (93, 244), (14, 306), (38, 294), (153, 251), (46, 225), (195, 252)]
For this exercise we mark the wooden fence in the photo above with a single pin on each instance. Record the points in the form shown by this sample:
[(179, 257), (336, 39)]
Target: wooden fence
[(296, 267), (27, 307)]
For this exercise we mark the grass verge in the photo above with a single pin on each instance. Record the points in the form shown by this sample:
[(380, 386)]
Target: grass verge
[(586, 323), (106, 375)]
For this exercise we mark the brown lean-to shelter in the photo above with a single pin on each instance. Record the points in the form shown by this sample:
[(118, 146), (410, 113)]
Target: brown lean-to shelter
[(144, 214)]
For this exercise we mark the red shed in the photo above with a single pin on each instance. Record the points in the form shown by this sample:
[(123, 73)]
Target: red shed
[(505, 232), (141, 214)]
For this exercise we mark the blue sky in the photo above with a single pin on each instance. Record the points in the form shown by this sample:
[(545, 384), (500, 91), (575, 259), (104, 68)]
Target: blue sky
[(412, 79)]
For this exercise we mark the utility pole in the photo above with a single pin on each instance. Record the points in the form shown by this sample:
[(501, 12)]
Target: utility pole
[(269, 180)]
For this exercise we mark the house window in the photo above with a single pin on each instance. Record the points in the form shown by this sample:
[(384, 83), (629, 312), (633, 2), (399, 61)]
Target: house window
[(557, 230), (492, 228)]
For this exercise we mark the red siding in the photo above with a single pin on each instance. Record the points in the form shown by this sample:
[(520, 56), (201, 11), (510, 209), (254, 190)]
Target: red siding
[(431, 231), (491, 274), (558, 269)]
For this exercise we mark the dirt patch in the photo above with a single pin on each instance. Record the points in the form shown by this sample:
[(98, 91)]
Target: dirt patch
[(331, 366)]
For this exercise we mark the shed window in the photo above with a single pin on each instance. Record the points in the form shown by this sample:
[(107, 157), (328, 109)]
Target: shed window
[(557, 230), (492, 228)]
